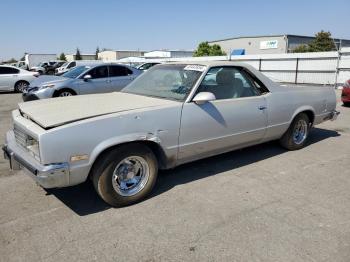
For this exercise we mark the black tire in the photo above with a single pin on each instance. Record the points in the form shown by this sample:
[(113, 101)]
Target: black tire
[(287, 140), (62, 92), (347, 104), (20, 86), (103, 169)]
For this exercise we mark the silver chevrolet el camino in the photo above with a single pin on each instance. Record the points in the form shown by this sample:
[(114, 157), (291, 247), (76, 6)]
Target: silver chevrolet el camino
[(172, 114)]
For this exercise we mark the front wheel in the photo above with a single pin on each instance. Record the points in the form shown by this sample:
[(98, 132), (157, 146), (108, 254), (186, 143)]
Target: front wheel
[(64, 92), (297, 133), (125, 175)]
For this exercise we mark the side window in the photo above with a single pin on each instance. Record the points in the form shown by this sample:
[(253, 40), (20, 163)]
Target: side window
[(8, 70), (98, 72), (72, 64), (228, 83), (115, 71)]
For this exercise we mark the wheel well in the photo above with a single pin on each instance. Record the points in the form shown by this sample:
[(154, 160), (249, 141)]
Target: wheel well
[(55, 94), (310, 115), (156, 149)]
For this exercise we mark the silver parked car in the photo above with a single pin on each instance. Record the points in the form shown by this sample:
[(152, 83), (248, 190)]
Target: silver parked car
[(170, 115), (101, 78)]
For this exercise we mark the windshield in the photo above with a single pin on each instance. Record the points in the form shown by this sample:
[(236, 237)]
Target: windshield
[(166, 81), (65, 64), (75, 72)]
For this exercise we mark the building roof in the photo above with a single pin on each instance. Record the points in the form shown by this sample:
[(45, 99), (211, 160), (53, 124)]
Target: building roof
[(259, 36)]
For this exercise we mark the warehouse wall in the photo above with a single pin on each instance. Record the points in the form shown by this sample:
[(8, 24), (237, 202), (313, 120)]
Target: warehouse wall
[(252, 45)]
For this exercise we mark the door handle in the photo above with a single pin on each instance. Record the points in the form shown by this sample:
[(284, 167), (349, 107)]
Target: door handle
[(262, 107)]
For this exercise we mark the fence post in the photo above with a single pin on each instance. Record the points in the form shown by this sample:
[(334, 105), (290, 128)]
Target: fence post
[(260, 64), (337, 68), (296, 71)]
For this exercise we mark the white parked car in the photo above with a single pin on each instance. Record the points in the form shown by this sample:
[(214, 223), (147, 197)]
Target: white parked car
[(15, 79)]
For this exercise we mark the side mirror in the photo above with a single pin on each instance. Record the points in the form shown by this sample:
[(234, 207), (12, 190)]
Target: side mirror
[(87, 77), (203, 97)]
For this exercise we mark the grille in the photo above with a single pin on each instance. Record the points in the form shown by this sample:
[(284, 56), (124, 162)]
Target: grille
[(21, 137)]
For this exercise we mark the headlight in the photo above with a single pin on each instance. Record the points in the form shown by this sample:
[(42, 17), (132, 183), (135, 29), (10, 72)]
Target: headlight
[(47, 86), (33, 147)]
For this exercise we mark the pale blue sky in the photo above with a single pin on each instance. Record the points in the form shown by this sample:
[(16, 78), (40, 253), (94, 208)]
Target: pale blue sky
[(47, 26)]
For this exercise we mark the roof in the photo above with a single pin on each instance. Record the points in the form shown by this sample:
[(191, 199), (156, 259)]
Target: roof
[(260, 36)]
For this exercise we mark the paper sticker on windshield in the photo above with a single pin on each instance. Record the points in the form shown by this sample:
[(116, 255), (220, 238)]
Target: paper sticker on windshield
[(199, 68)]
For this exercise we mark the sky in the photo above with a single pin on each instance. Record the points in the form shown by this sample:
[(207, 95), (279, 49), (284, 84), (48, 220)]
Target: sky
[(47, 26)]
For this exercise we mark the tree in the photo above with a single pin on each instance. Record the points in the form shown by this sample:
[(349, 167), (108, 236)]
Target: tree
[(96, 53), (62, 57), (301, 49), (204, 49), (78, 55), (323, 42)]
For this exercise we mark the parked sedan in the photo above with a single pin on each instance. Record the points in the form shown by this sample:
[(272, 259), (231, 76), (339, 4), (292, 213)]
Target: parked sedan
[(167, 117), (101, 78), (15, 79), (345, 95)]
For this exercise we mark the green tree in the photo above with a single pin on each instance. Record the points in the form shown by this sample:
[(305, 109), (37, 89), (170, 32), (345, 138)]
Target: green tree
[(204, 49), (96, 53), (301, 49), (323, 42), (62, 57), (78, 55)]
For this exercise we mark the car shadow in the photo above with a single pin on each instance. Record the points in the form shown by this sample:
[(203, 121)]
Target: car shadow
[(83, 200)]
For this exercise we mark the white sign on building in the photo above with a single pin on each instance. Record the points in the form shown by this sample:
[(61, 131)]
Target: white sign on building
[(271, 44)]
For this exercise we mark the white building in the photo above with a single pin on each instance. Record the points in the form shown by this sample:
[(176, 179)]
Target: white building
[(112, 55), (71, 57), (168, 54)]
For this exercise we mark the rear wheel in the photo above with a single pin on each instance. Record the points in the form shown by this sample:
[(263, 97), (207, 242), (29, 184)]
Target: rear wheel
[(21, 85), (297, 133), (346, 103), (125, 175)]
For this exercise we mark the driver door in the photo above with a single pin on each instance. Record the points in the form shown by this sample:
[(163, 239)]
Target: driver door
[(237, 117)]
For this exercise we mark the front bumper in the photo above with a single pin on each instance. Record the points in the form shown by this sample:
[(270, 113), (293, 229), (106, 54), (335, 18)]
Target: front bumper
[(29, 97), (47, 176)]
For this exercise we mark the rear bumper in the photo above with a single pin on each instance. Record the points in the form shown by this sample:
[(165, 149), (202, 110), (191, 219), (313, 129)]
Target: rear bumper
[(47, 176)]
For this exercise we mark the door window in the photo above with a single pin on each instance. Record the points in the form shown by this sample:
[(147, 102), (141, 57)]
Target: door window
[(98, 72), (119, 71), (8, 70), (228, 83)]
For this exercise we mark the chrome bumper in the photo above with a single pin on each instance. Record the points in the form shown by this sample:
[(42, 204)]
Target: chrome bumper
[(47, 176)]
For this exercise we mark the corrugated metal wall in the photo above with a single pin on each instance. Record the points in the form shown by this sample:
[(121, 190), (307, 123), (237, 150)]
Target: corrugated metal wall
[(327, 68)]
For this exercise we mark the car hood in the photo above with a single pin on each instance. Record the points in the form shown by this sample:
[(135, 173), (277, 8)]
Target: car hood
[(49, 113), (46, 79)]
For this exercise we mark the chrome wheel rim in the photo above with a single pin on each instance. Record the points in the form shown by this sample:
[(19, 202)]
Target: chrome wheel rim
[(21, 86), (65, 94), (300, 132), (130, 176)]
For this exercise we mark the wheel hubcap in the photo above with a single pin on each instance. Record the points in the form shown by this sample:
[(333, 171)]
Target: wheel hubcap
[(130, 176), (65, 94), (21, 86), (300, 132)]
